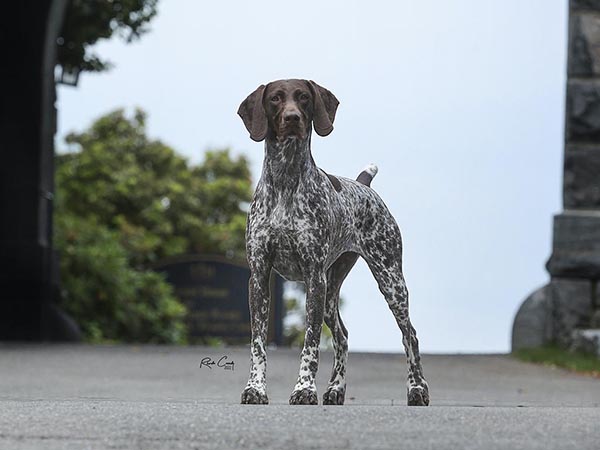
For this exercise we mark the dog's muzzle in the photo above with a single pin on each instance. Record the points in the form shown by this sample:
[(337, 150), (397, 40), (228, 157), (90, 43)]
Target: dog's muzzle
[(292, 125)]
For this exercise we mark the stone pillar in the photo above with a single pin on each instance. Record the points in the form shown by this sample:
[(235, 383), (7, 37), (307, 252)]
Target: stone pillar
[(570, 301)]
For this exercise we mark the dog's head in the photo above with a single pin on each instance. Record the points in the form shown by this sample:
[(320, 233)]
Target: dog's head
[(287, 109)]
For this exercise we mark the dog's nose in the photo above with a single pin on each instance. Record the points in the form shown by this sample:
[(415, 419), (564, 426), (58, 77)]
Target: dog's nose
[(291, 117)]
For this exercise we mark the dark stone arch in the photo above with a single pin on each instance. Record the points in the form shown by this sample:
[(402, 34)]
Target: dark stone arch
[(28, 264)]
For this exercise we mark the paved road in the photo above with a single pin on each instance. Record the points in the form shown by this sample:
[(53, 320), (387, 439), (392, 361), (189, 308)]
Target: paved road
[(80, 397)]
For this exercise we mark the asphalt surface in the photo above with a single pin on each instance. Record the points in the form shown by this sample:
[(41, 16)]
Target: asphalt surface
[(84, 397)]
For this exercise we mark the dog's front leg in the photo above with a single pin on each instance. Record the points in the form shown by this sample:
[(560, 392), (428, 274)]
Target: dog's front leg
[(305, 391), (258, 290)]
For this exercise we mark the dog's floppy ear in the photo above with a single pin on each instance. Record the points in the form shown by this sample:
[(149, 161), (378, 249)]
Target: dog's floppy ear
[(325, 107), (253, 114)]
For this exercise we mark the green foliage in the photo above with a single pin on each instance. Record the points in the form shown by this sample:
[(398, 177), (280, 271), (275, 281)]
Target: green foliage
[(110, 300), (125, 201), (87, 21), (557, 357), (160, 205)]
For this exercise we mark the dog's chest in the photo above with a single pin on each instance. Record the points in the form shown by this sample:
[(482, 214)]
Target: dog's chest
[(295, 232), (292, 225), (296, 213)]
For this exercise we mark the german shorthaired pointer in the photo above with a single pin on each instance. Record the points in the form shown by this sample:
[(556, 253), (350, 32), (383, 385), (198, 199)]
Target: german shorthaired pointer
[(310, 226)]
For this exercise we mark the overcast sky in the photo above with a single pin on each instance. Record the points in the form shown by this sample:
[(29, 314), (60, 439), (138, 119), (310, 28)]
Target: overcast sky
[(460, 104)]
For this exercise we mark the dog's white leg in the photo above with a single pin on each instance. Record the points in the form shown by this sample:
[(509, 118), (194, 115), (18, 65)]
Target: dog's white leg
[(393, 287), (417, 387), (382, 250), (256, 389), (305, 391), (336, 389)]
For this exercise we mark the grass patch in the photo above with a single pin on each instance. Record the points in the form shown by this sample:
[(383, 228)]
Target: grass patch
[(557, 357)]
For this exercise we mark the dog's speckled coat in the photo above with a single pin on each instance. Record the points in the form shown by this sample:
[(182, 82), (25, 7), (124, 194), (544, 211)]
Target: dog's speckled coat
[(311, 227)]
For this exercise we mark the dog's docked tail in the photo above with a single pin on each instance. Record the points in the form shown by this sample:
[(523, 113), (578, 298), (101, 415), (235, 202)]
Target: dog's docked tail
[(367, 175)]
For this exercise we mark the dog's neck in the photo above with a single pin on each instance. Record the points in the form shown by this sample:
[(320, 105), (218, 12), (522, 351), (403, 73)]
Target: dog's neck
[(287, 163)]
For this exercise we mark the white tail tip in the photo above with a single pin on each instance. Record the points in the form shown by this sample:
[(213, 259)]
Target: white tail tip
[(371, 169)]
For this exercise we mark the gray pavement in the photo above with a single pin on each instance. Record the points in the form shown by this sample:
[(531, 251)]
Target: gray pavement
[(80, 397)]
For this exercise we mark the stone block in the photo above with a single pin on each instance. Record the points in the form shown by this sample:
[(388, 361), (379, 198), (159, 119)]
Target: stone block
[(584, 45), (581, 181), (586, 341), (595, 321), (572, 308), (583, 111), (576, 248), (585, 4), (532, 326)]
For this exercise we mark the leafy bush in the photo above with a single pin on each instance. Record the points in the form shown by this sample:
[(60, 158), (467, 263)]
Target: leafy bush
[(123, 202), (109, 299)]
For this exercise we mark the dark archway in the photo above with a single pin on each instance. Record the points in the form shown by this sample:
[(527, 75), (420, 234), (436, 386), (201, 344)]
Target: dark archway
[(28, 264)]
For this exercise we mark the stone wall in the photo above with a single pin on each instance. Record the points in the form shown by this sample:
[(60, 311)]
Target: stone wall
[(570, 302)]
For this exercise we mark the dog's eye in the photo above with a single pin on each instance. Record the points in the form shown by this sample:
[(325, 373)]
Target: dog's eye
[(275, 98), (304, 97)]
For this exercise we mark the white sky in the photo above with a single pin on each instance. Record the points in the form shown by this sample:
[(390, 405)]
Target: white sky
[(460, 103)]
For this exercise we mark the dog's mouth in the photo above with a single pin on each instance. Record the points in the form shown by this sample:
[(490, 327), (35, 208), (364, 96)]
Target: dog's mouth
[(291, 131)]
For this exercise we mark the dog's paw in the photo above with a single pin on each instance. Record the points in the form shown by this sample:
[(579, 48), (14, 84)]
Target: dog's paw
[(334, 396), (304, 397), (252, 396), (418, 396)]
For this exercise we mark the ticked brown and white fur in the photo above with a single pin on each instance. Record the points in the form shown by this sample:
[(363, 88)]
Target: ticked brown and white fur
[(312, 227)]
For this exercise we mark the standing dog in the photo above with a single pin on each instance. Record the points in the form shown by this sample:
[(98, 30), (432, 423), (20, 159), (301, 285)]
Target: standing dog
[(311, 227)]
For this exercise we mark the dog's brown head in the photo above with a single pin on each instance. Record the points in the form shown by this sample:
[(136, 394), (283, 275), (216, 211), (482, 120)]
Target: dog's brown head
[(287, 108)]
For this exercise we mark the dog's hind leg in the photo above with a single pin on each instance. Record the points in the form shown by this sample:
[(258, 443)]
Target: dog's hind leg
[(382, 251), (336, 390)]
